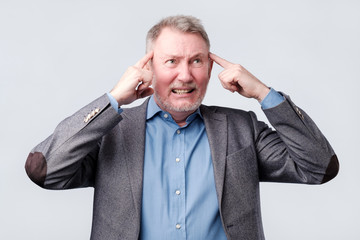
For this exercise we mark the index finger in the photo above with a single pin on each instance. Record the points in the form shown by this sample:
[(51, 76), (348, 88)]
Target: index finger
[(222, 62), (142, 62)]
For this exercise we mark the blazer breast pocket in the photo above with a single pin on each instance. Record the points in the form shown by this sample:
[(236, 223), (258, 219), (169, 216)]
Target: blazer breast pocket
[(242, 167)]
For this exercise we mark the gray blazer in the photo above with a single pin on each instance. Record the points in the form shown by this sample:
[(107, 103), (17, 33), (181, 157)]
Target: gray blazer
[(98, 147)]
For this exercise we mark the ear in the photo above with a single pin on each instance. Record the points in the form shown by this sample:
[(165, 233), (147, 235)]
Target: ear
[(148, 65), (211, 63)]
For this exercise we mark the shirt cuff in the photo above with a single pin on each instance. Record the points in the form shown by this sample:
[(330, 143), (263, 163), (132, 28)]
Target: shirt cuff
[(114, 103), (272, 99)]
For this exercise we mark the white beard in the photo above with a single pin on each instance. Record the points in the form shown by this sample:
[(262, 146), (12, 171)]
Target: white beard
[(186, 107)]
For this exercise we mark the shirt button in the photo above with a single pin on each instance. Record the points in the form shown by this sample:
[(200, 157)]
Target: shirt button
[(177, 192), (178, 226), (177, 159), (166, 115), (178, 131)]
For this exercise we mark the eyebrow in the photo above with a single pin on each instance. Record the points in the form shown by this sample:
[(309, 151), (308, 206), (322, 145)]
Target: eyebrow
[(177, 56), (201, 55)]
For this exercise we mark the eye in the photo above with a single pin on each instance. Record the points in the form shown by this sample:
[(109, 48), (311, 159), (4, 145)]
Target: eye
[(197, 62), (170, 61)]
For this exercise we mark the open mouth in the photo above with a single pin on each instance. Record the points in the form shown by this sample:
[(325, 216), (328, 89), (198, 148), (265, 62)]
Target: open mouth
[(182, 91)]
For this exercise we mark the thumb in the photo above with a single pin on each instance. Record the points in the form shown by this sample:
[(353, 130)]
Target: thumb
[(146, 92)]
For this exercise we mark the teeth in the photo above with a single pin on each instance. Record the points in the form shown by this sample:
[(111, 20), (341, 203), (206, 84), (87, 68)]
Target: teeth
[(182, 91)]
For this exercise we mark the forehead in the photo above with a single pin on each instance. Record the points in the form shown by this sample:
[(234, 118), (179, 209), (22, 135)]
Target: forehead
[(175, 42)]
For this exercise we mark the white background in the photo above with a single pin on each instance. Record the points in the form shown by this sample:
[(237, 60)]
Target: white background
[(56, 56)]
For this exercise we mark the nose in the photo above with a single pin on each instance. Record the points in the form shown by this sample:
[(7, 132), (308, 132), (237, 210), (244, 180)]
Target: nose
[(184, 72)]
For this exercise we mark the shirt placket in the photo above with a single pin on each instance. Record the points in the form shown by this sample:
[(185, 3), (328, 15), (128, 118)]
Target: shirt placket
[(178, 190)]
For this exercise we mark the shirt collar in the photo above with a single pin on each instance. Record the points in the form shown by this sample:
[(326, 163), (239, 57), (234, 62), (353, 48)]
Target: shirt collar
[(153, 109)]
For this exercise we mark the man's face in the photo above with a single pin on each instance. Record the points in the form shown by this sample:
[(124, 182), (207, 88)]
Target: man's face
[(181, 69)]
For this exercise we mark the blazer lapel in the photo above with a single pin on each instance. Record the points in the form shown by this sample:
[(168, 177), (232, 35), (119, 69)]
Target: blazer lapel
[(134, 143), (216, 129)]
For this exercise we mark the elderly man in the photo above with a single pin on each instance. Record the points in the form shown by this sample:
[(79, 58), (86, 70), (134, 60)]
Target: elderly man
[(173, 168)]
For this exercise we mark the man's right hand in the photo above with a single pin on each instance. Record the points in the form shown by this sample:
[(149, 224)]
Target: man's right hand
[(135, 83)]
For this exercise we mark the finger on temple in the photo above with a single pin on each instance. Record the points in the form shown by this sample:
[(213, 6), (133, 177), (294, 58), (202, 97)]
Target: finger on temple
[(222, 62), (142, 62)]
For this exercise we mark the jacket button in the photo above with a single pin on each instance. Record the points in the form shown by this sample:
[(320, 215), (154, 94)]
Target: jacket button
[(299, 113)]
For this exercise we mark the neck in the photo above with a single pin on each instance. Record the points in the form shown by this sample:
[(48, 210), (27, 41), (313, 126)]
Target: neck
[(180, 117)]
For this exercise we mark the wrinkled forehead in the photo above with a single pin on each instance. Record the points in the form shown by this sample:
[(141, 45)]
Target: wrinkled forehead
[(175, 42)]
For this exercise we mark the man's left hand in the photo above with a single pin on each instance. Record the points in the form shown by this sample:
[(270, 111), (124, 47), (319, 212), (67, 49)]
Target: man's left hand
[(236, 78)]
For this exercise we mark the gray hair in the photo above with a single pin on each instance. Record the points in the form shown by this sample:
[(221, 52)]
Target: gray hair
[(185, 24)]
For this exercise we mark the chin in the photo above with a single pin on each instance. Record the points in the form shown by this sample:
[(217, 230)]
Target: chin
[(184, 107), (181, 106)]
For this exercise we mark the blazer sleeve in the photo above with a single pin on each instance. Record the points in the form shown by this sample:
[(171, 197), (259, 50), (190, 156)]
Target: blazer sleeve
[(297, 152), (67, 158)]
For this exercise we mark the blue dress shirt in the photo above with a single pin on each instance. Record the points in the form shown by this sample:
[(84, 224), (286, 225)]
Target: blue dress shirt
[(179, 198), (179, 195)]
